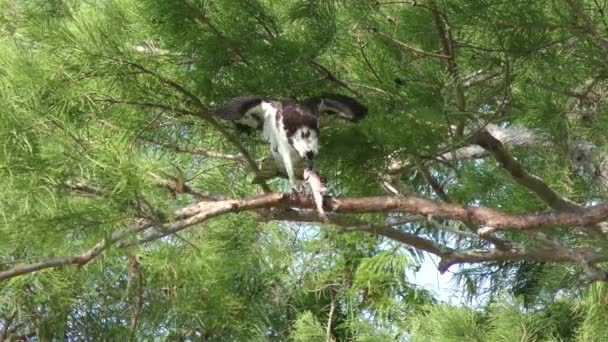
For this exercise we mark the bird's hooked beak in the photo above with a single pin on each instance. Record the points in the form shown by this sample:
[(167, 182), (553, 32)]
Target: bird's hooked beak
[(310, 164), (309, 160)]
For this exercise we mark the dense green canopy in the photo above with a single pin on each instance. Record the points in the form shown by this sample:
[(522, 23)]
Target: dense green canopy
[(128, 211)]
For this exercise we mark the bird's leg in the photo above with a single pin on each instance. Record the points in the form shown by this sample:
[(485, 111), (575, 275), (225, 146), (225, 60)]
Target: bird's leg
[(286, 157), (318, 190)]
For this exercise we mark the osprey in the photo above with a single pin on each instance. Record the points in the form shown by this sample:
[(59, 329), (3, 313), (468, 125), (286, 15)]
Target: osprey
[(291, 127)]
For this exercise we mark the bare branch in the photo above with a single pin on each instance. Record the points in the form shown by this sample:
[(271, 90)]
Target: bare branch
[(330, 317), (504, 251), (407, 238), (201, 18), (437, 188), (202, 211), (349, 224), (370, 67)]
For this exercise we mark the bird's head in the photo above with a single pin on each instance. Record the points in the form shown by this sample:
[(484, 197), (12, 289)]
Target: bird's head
[(305, 141)]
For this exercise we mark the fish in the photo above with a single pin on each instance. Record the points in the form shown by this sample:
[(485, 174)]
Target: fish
[(317, 188)]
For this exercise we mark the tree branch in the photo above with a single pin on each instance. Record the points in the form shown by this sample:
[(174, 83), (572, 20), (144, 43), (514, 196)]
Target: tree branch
[(79, 259), (588, 26), (330, 76), (179, 186), (203, 113), (531, 182), (134, 272), (447, 45), (411, 47), (537, 254), (202, 211), (199, 152), (520, 175), (111, 101), (6, 328), (406, 238)]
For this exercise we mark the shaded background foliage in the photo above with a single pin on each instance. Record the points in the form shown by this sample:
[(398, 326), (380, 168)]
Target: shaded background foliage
[(89, 97)]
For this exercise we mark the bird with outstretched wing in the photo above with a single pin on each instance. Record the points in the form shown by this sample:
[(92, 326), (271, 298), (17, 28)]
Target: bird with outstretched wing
[(291, 127)]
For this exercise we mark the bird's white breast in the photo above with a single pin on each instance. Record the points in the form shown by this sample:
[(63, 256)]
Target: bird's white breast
[(275, 134)]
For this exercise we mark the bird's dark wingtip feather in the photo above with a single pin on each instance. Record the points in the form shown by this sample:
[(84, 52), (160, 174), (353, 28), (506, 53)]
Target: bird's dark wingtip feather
[(236, 107), (352, 109)]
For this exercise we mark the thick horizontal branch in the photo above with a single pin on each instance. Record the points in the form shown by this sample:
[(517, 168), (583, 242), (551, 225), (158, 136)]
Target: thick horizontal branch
[(476, 215), (198, 213), (202, 211), (411, 204)]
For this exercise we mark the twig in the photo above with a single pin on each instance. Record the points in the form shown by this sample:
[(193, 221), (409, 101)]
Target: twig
[(588, 26), (198, 151), (179, 186), (411, 47), (367, 62), (447, 45), (202, 18), (78, 259), (330, 76), (437, 188), (134, 271), (332, 307), (111, 101), (8, 321), (203, 113)]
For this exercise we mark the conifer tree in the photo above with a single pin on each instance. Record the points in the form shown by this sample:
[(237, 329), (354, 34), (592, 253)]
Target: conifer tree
[(128, 211)]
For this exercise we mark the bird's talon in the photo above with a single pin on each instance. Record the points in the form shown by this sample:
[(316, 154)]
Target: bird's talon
[(323, 217), (296, 190)]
